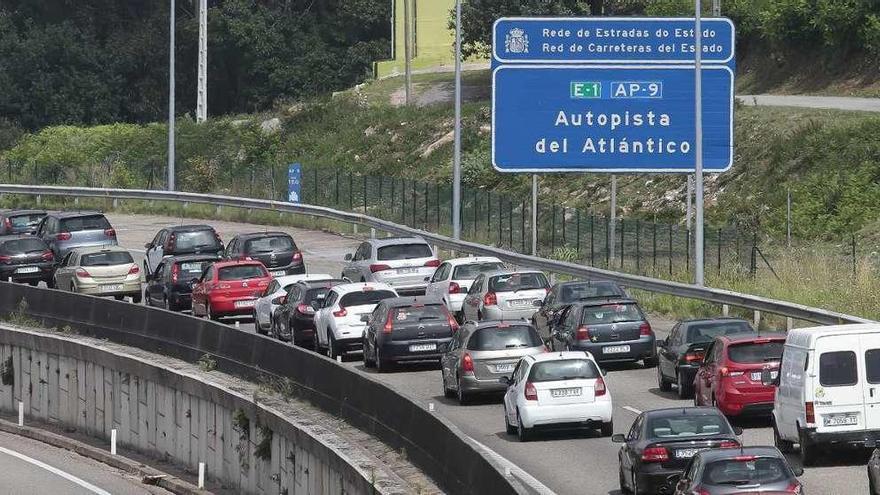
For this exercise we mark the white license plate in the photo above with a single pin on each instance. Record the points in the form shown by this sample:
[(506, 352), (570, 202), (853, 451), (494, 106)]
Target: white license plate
[(245, 304), (278, 273), (756, 375), (504, 368), (111, 288), (686, 453), (615, 349), (27, 269), (565, 392), (422, 347), (519, 303), (840, 420), (404, 271)]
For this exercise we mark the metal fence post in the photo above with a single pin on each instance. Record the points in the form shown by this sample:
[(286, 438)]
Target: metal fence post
[(670, 250), (437, 195), (654, 252), (854, 255), (578, 230), (564, 238), (336, 203), (592, 240), (351, 192), (638, 246), (365, 195), (522, 231), (317, 202), (415, 203), (687, 251), (719, 252), (476, 213), (553, 231), (426, 205), (622, 241)]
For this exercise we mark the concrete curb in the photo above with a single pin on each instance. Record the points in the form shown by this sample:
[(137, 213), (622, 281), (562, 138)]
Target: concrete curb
[(172, 484)]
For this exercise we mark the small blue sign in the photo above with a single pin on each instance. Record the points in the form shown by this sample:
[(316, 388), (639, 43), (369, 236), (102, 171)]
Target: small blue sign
[(603, 40), (294, 183), (615, 118)]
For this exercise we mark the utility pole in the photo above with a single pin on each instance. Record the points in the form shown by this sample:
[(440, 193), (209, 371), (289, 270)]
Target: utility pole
[(407, 51), (202, 96), (171, 100), (456, 158), (690, 203), (698, 117)]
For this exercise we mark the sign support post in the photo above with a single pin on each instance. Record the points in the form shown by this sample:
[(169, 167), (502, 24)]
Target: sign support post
[(698, 145), (534, 214), (456, 156), (612, 225)]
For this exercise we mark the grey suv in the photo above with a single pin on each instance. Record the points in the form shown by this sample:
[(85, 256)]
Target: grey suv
[(64, 231)]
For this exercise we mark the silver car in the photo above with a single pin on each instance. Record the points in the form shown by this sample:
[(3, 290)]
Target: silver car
[(401, 262), (752, 470), (481, 353), (68, 230), (505, 295)]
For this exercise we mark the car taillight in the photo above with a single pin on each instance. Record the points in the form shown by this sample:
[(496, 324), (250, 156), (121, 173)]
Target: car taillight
[(389, 323), (110, 232), (5, 259), (467, 363), (794, 487), (728, 444), (531, 393), (48, 256), (490, 299), (693, 357), (810, 412), (655, 453), (134, 270), (341, 313), (305, 309), (297, 256), (8, 223), (63, 236), (82, 273), (452, 323), (378, 268), (454, 288), (645, 329), (582, 333), (600, 389), (175, 273), (432, 263)]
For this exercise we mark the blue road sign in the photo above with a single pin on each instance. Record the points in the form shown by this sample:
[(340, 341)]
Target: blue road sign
[(603, 40), (621, 118), (294, 183)]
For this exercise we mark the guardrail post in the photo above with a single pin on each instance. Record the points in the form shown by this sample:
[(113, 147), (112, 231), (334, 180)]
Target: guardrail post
[(186, 205), (789, 323), (115, 203), (354, 228), (757, 318), (39, 200), (76, 202), (373, 234), (219, 209), (725, 310)]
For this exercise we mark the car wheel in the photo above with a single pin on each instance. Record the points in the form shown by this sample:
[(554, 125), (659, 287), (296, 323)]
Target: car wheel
[(607, 429), (872, 488), (119, 298), (479, 316), (331, 346), (510, 429), (316, 344), (622, 481), (257, 325), (72, 287), (368, 363), (382, 365), (136, 298), (463, 397), (662, 382), (209, 314), (650, 362), (685, 390), (784, 446), (522, 433), (635, 487), (808, 450), (447, 392)]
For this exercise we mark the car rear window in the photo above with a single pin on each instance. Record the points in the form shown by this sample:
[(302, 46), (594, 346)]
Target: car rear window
[(587, 290), (473, 270), (503, 338), (404, 252), (687, 426), (837, 369), (611, 313), (92, 222), (706, 332), (20, 246), (270, 244), (756, 352), (195, 239), (26, 220), (417, 313), (106, 259), (192, 269), (315, 294), (564, 369), (746, 470), (241, 272), (517, 281), (365, 297)]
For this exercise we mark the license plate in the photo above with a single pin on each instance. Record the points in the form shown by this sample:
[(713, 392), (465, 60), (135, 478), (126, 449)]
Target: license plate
[(27, 269), (111, 288), (245, 304), (278, 273), (403, 271), (756, 375), (686, 453), (840, 420), (504, 368), (565, 392), (422, 347), (615, 349), (518, 303)]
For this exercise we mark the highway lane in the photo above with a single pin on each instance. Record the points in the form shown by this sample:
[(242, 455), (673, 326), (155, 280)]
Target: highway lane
[(566, 462)]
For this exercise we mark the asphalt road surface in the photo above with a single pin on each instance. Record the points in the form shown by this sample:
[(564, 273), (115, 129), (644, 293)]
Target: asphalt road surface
[(567, 463), (803, 101)]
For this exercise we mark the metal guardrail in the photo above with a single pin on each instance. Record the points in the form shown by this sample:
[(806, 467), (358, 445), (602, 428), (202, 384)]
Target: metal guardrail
[(717, 296)]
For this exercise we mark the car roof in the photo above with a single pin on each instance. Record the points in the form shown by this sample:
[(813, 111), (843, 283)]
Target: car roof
[(9, 213), (343, 289), (672, 412), (390, 241), (588, 282), (402, 302), (718, 319), (74, 214), (305, 277), (17, 237), (806, 337), (316, 284), (292, 279), (495, 273), (192, 257), (472, 260), (99, 249), (268, 233), (497, 323), (604, 300), (186, 228), (225, 263), (738, 338), (559, 356), (756, 450)]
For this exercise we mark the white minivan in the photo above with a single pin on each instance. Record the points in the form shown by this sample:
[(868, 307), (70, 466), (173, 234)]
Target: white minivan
[(828, 389)]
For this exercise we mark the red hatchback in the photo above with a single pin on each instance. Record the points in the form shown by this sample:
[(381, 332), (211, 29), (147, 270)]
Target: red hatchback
[(730, 376), (229, 288)]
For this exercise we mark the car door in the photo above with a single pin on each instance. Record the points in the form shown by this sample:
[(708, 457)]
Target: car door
[(156, 285), (47, 233), (449, 362), (667, 353), (323, 316), (62, 272), (350, 270), (438, 284), (156, 250), (703, 381), (566, 327), (361, 267), (630, 448), (472, 302), (510, 396), (200, 291)]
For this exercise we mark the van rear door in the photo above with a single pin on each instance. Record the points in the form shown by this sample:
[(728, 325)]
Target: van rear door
[(838, 396), (870, 345)]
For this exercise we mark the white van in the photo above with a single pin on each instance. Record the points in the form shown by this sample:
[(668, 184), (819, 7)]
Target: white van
[(828, 389)]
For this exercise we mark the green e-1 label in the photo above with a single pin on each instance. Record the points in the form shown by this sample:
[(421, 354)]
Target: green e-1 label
[(585, 89)]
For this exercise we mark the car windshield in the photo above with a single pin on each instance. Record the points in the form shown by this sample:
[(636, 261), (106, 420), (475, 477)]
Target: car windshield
[(26, 220), (188, 270), (419, 313), (687, 426), (93, 222), (746, 470), (517, 281), (611, 313), (106, 259), (588, 290), (21, 246), (403, 252), (473, 270), (270, 244), (706, 332), (198, 238), (503, 338), (756, 352), (364, 298), (241, 272), (564, 369)]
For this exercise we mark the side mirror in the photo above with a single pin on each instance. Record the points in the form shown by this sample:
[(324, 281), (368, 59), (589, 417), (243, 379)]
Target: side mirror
[(365, 318), (767, 378), (618, 438), (797, 470), (505, 380), (148, 245), (427, 279), (737, 430), (348, 257)]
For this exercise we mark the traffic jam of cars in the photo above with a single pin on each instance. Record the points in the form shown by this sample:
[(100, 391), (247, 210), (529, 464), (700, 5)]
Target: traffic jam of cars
[(541, 350)]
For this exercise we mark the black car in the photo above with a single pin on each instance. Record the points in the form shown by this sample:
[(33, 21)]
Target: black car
[(564, 294), (404, 329), (661, 442), (20, 221), (169, 286), (680, 354), (276, 250), (752, 470), (294, 318), (611, 330), (180, 240), (26, 259)]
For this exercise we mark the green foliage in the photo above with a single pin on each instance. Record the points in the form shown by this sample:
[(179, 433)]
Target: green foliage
[(263, 449), (207, 363)]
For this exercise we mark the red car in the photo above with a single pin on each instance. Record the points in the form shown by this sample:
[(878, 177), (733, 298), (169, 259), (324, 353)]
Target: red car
[(229, 288), (730, 376)]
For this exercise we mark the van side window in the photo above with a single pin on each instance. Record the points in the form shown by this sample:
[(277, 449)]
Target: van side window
[(837, 369), (872, 365)]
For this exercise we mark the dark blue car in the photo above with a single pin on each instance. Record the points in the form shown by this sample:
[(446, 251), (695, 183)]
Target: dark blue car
[(169, 285)]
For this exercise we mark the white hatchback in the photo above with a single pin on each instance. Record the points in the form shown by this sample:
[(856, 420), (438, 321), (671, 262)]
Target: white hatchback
[(453, 279), (266, 305), (339, 323), (557, 390)]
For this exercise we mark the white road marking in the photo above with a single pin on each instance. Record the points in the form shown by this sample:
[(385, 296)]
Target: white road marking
[(85, 484), (515, 470), (632, 410)]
